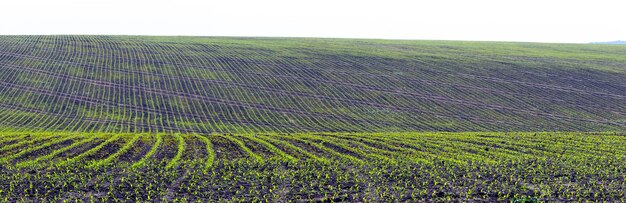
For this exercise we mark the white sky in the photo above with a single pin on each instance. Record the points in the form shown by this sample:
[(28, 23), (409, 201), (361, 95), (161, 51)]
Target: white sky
[(486, 20)]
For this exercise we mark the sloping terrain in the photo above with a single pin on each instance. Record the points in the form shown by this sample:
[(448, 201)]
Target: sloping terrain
[(202, 84)]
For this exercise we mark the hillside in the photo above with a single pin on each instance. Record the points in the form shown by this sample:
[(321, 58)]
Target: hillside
[(217, 84)]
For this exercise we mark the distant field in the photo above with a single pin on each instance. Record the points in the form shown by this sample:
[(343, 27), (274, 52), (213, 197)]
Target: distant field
[(124, 84), (328, 167)]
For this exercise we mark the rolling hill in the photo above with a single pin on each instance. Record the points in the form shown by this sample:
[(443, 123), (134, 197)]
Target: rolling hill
[(218, 119), (242, 85)]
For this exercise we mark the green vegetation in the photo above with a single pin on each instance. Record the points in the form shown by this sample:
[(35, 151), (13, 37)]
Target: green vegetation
[(209, 149), (179, 152), (132, 84), (370, 167), (216, 119), (153, 150), (91, 151), (117, 154)]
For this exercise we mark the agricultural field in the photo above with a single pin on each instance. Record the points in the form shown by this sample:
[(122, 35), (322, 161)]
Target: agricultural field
[(127, 84), (320, 167), (220, 119)]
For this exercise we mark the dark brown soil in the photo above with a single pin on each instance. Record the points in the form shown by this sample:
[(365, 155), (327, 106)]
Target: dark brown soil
[(226, 150), (137, 151), (195, 149), (256, 147), (44, 151), (77, 150), (167, 149)]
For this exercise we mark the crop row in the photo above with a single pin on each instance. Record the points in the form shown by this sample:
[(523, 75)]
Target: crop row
[(122, 85), (312, 166)]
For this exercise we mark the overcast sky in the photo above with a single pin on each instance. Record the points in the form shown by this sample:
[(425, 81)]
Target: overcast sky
[(484, 20)]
